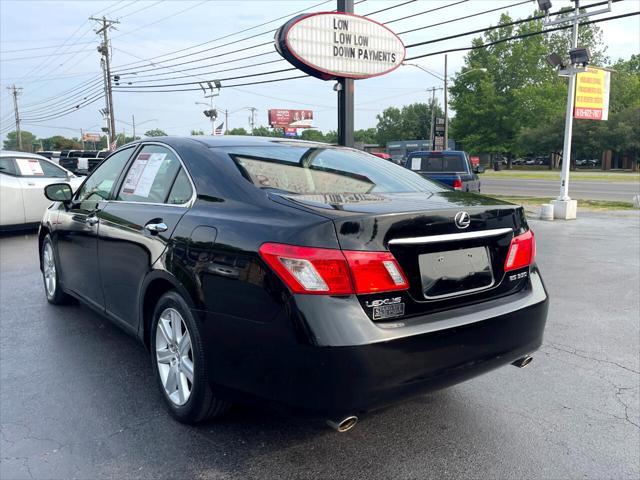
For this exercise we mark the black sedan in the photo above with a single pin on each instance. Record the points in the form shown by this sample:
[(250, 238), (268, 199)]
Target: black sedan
[(313, 278)]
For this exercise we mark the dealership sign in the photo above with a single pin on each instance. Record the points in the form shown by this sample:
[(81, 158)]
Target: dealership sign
[(281, 118), (331, 45), (592, 94)]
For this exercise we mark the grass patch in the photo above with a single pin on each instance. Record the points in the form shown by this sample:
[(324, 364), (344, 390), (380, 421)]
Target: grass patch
[(533, 203), (597, 176)]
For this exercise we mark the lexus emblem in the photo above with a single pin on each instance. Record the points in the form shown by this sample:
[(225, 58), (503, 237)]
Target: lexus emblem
[(462, 219)]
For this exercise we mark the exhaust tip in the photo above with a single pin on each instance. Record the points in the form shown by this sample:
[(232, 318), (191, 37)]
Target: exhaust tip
[(343, 425), (523, 362)]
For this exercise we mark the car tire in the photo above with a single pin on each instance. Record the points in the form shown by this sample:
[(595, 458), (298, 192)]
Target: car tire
[(179, 363), (50, 276)]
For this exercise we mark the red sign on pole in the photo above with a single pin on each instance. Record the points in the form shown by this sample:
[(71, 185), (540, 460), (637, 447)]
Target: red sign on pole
[(279, 118)]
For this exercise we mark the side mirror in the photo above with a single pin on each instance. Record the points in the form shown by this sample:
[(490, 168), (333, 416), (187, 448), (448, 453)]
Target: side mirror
[(479, 169), (58, 192)]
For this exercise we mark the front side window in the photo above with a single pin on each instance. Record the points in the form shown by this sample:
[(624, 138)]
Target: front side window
[(325, 170), (150, 176), (99, 184), (51, 170)]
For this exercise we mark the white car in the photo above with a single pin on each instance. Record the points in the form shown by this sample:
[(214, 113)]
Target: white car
[(23, 177)]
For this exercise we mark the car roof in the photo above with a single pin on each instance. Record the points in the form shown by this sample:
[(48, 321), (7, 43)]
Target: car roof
[(437, 152), (233, 141), (12, 153)]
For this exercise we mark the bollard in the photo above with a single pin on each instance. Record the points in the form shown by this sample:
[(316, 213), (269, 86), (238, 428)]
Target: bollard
[(546, 211)]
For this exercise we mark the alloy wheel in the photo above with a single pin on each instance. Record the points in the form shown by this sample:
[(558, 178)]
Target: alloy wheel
[(174, 356), (49, 270)]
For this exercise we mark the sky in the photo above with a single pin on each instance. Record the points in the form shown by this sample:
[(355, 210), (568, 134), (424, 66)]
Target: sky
[(48, 48)]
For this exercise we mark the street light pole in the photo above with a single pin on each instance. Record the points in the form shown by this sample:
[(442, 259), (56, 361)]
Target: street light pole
[(446, 106), (568, 121)]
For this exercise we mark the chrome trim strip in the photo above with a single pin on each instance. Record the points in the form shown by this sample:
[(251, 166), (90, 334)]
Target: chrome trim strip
[(450, 237)]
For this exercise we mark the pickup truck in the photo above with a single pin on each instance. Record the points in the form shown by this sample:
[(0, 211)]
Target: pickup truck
[(451, 167)]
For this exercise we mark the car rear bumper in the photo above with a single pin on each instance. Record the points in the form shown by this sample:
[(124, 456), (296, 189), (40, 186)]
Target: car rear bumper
[(354, 366)]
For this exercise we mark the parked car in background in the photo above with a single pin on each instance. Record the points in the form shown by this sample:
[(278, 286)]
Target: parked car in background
[(23, 177), (81, 162), (384, 156), (311, 277), (451, 167), (52, 155)]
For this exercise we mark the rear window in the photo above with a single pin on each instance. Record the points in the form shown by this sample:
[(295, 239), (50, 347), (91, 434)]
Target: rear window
[(324, 170), (438, 163)]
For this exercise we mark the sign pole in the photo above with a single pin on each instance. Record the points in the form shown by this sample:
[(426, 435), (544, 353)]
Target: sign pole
[(345, 95)]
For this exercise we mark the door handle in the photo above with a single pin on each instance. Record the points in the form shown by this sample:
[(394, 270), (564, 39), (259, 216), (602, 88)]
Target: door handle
[(92, 220), (156, 227)]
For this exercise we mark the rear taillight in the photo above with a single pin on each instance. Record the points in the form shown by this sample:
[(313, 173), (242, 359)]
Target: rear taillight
[(457, 184), (522, 251), (334, 272)]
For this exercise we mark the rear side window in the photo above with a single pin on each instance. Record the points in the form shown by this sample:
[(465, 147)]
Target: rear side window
[(438, 163), (150, 176), (181, 191), (324, 170), (7, 166)]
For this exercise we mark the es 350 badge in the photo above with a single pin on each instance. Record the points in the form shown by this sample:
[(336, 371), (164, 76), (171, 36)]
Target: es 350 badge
[(386, 307)]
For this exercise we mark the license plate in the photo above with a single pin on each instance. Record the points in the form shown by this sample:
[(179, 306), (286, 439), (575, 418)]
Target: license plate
[(388, 311), (455, 272)]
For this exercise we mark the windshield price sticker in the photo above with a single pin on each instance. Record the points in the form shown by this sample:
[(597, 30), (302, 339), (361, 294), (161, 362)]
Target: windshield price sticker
[(332, 45), (142, 174)]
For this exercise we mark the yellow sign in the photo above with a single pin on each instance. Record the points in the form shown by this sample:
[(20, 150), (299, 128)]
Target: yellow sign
[(592, 94)]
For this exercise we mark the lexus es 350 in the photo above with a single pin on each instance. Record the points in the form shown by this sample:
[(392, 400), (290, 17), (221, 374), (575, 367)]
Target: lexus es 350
[(317, 279)]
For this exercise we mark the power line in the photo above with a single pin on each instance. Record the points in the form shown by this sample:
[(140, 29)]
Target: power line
[(227, 86), (230, 34), (138, 70), (465, 17), (426, 11), (388, 8), (139, 10), (136, 87), (162, 19), (67, 111), (523, 35)]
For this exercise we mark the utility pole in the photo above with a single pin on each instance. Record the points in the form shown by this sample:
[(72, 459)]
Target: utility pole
[(15, 92), (252, 118), (82, 138), (345, 88), (106, 64), (433, 117), (226, 121), (446, 106), (133, 124)]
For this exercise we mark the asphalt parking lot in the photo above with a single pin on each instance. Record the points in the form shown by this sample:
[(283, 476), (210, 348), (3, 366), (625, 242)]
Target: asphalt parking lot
[(77, 398)]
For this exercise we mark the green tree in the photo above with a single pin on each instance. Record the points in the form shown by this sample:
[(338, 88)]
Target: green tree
[(267, 132), (28, 139), (312, 135), (156, 132), (412, 122), (58, 142), (499, 111), (366, 136), (237, 131), (331, 137), (197, 132)]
